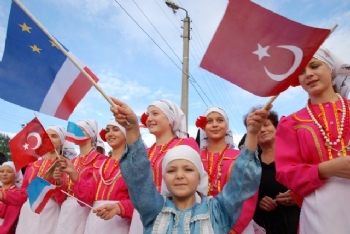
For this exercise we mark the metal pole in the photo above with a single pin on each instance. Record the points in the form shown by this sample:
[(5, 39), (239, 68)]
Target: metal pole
[(185, 66)]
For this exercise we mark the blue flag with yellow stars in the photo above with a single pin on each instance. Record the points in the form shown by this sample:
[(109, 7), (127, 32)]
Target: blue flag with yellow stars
[(35, 74)]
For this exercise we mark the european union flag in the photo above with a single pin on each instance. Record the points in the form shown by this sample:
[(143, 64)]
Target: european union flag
[(35, 73)]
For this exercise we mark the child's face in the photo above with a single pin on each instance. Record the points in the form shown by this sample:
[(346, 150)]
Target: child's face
[(7, 175), (181, 178), (114, 136), (157, 122), (216, 126)]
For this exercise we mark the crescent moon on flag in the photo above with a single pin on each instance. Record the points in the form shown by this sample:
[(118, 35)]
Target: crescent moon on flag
[(37, 136), (298, 55)]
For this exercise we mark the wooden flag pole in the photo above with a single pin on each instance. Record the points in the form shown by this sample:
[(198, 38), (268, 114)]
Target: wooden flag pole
[(76, 199), (273, 98), (69, 56)]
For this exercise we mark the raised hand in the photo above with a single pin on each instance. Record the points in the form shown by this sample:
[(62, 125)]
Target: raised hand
[(123, 114), (126, 117), (256, 120)]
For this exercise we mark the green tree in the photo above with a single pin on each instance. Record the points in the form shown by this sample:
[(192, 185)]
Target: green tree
[(4, 144)]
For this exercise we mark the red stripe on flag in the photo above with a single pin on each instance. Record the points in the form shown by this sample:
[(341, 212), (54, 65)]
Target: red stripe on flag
[(74, 94), (47, 197)]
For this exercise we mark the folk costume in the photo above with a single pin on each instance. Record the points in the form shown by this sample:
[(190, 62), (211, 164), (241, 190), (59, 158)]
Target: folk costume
[(73, 216), (315, 134), (219, 168)]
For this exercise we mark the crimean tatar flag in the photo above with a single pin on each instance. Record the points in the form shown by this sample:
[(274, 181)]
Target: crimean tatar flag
[(75, 134), (260, 51), (39, 193), (35, 74)]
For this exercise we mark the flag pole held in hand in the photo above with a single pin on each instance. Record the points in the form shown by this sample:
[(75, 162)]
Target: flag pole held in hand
[(65, 52)]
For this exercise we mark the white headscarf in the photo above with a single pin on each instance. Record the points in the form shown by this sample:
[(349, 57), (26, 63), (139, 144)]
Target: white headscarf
[(203, 136), (175, 116), (61, 131), (188, 153), (340, 70), (69, 150), (18, 175), (91, 127), (115, 123)]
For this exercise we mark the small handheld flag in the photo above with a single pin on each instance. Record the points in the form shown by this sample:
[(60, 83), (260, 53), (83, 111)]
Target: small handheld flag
[(75, 134), (30, 144), (39, 192)]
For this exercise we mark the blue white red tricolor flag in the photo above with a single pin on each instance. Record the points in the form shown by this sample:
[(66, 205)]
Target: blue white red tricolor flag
[(75, 134), (39, 192), (35, 74)]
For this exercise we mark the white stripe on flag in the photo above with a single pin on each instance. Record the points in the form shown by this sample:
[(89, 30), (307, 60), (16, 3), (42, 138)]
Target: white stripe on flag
[(63, 80), (41, 196)]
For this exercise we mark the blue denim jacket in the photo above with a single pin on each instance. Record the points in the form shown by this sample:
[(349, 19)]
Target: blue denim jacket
[(159, 215)]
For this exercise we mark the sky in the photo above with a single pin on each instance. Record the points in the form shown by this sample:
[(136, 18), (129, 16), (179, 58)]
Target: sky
[(135, 48)]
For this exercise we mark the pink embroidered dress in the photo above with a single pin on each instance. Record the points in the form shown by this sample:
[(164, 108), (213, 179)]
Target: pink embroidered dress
[(300, 148), (156, 155), (30, 222), (73, 216), (219, 167), (8, 213), (103, 185)]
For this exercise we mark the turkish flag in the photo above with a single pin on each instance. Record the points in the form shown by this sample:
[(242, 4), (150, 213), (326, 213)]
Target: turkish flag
[(30, 144), (260, 51)]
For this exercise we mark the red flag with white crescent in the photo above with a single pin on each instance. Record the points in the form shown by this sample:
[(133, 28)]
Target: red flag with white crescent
[(259, 50), (30, 144)]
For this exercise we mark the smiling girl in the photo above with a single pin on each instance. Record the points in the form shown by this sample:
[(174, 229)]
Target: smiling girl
[(312, 147), (11, 181), (167, 122), (218, 158), (73, 216), (105, 185), (183, 178), (45, 222)]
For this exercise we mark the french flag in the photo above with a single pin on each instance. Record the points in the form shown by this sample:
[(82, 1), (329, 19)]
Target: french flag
[(39, 193), (35, 74), (75, 134)]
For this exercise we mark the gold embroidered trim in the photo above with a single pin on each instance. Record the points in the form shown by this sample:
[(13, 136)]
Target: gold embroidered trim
[(314, 136)]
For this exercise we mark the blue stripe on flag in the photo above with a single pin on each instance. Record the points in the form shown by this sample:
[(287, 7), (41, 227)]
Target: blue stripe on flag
[(75, 130), (26, 73), (35, 188)]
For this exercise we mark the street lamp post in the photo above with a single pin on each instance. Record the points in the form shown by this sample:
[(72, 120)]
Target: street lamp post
[(185, 59)]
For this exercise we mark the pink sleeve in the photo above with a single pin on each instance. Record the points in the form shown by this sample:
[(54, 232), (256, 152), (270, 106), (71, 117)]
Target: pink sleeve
[(291, 170), (85, 187), (126, 209), (247, 213), (18, 197), (12, 213)]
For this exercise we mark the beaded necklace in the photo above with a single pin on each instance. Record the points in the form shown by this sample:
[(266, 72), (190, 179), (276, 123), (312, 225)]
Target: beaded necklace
[(42, 167), (342, 127), (214, 168), (103, 169), (162, 150), (78, 163)]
